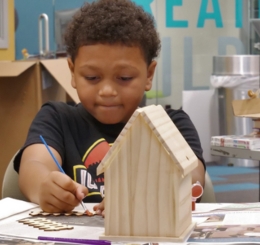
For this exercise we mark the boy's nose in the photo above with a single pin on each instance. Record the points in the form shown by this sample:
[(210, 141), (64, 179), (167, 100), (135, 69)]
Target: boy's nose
[(107, 90)]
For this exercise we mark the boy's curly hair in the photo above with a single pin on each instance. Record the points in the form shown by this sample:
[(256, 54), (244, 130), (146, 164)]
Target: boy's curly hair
[(113, 22)]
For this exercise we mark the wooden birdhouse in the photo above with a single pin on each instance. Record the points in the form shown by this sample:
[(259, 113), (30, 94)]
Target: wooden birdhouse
[(148, 180)]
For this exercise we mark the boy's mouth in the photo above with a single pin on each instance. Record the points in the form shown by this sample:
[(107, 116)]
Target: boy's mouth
[(109, 105)]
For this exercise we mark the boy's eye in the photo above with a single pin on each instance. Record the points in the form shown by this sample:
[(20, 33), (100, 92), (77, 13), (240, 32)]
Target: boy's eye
[(90, 78), (125, 78)]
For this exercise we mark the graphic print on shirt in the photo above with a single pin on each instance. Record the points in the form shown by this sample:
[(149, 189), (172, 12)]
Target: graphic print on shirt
[(86, 175)]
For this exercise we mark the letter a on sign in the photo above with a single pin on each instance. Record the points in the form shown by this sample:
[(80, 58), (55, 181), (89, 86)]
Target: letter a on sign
[(204, 15)]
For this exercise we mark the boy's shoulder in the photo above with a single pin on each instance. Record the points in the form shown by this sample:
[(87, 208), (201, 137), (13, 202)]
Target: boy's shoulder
[(177, 113), (181, 119), (64, 112), (59, 107), (60, 112)]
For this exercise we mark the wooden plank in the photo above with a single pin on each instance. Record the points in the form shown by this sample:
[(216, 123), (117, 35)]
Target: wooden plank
[(134, 151), (166, 222), (113, 202), (124, 201), (140, 186), (152, 194)]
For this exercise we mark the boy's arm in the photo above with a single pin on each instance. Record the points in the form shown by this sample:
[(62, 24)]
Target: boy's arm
[(42, 183), (36, 164), (198, 174)]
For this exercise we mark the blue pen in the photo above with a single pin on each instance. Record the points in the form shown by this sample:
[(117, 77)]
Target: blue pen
[(58, 165), (75, 240)]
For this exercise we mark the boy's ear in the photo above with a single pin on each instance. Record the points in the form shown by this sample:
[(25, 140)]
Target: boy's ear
[(71, 66), (150, 74)]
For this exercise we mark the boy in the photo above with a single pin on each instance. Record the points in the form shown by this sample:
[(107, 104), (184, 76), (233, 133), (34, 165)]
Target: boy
[(111, 46)]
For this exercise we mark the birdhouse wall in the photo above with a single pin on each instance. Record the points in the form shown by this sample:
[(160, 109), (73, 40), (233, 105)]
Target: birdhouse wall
[(140, 196), (183, 215)]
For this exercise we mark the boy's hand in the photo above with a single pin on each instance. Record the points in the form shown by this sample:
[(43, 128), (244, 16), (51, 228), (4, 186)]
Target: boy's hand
[(100, 208), (59, 193)]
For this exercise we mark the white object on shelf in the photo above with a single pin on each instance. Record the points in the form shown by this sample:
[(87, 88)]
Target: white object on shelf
[(237, 141)]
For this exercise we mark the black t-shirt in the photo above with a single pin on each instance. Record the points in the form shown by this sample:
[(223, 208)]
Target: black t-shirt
[(82, 141)]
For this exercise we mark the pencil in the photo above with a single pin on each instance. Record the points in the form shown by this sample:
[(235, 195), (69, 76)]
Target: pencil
[(58, 165)]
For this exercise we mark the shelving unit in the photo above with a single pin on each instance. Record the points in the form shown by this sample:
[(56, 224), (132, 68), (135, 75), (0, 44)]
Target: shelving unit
[(235, 153), (229, 125)]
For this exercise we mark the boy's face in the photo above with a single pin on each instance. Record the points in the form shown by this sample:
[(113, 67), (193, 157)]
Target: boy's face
[(111, 80)]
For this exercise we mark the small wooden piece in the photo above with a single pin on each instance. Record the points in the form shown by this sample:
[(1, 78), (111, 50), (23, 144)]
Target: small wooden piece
[(35, 213), (80, 213), (45, 224), (148, 180), (56, 214), (73, 213), (68, 214)]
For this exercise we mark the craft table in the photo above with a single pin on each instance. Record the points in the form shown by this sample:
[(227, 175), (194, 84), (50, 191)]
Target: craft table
[(16, 210)]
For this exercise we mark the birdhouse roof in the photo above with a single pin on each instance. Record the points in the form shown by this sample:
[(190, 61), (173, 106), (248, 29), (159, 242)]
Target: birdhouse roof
[(167, 133)]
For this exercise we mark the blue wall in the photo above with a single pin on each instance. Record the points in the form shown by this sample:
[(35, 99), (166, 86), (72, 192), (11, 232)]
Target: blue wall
[(26, 35), (28, 12)]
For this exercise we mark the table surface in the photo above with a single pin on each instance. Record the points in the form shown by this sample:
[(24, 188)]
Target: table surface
[(9, 226)]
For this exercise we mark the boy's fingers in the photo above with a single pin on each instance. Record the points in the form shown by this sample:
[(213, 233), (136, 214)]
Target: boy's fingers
[(63, 180), (99, 209), (81, 192), (66, 183), (77, 190), (53, 205)]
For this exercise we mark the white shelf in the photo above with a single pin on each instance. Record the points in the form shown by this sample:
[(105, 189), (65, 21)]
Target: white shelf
[(235, 152)]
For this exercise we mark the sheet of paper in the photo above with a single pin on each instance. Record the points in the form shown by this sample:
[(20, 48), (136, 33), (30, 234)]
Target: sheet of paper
[(208, 207), (203, 208), (10, 206), (199, 220), (242, 218), (81, 229)]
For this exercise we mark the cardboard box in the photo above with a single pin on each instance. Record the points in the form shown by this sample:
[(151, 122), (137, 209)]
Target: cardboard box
[(247, 108), (24, 87)]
